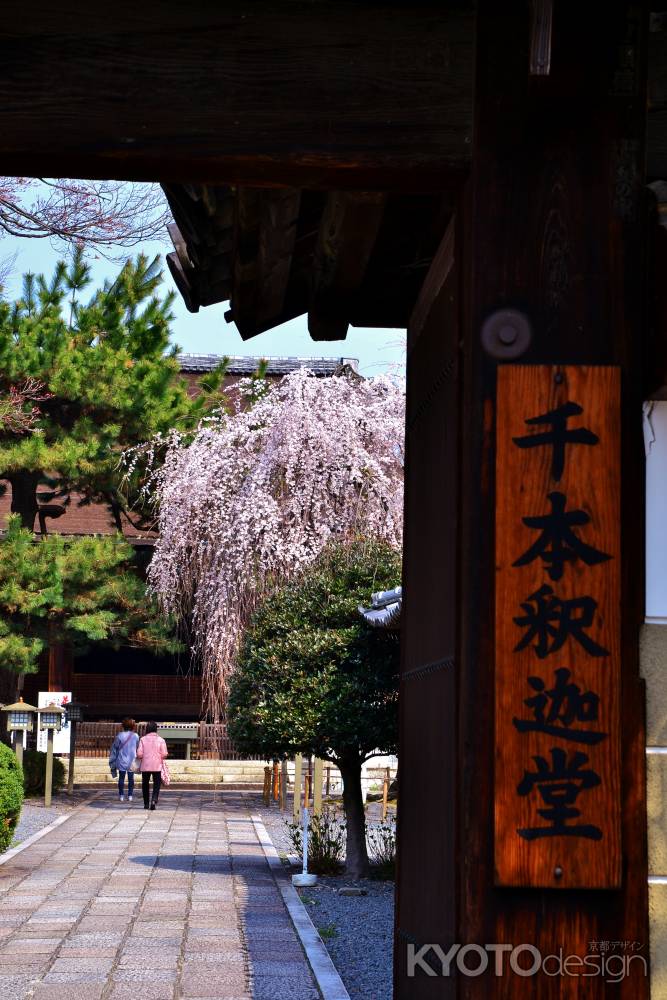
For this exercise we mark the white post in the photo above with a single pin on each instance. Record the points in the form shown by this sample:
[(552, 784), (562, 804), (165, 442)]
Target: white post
[(305, 878), (305, 841)]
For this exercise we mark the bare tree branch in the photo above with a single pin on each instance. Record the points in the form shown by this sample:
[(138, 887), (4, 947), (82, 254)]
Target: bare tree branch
[(15, 417), (104, 215)]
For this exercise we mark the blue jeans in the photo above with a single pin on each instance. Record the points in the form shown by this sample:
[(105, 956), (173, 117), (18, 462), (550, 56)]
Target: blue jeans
[(130, 782)]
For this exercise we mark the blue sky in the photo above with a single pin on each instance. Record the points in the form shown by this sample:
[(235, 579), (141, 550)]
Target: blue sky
[(207, 332)]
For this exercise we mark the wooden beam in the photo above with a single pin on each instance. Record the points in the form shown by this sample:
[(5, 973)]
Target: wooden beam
[(179, 244), (438, 273), (347, 236), (245, 271), (181, 270), (265, 235), (188, 217), (426, 890), (540, 37), (268, 93), (202, 235), (656, 129), (277, 235), (183, 282), (411, 233)]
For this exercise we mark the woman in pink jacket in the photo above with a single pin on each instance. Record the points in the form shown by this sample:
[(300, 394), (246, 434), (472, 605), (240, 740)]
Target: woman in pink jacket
[(151, 752)]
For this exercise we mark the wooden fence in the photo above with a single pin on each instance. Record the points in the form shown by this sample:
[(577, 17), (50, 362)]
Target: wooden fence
[(94, 739)]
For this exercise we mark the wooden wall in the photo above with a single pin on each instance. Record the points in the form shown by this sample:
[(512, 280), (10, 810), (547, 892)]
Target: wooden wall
[(552, 223)]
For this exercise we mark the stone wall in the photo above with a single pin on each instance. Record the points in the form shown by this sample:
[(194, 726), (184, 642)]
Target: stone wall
[(654, 670)]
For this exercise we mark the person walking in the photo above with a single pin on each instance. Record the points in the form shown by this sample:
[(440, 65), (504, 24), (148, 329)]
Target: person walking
[(121, 758), (151, 752)]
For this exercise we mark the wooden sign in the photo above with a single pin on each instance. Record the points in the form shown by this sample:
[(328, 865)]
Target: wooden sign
[(557, 680)]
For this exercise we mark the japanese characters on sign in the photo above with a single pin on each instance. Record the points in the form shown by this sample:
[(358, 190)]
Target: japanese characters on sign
[(61, 738), (557, 775)]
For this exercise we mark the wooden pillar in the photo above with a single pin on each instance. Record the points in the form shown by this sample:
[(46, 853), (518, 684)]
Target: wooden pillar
[(426, 905), (318, 772), (60, 666), (283, 784), (72, 757), (48, 778), (551, 224)]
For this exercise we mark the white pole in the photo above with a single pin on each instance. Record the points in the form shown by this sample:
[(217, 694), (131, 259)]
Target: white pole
[(305, 840), (304, 879)]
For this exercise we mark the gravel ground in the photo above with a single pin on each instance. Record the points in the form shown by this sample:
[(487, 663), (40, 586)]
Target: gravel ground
[(357, 930), (35, 816)]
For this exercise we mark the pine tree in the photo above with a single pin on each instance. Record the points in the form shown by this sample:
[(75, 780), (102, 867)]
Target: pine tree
[(74, 591), (109, 379)]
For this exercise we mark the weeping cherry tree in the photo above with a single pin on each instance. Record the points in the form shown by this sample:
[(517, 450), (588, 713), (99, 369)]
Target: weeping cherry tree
[(256, 495)]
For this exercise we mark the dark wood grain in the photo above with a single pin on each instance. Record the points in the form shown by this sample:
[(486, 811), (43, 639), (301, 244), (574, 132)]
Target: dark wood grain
[(346, 238), (546, 232), (427, 898), (542, 12), (238, 91), (591, 483), (278, 226), (438, 273), (656, 138), (657, 144), (264, 239)]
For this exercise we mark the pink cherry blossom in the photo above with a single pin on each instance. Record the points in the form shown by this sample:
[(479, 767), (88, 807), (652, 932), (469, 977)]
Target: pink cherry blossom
[(257, 494)]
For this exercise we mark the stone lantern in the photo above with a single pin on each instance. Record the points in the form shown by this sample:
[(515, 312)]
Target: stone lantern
[(19, 720), (51, 719), (74, 710)]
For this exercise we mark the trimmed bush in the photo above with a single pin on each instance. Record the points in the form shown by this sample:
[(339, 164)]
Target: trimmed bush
[(34, 772), (11, 795)]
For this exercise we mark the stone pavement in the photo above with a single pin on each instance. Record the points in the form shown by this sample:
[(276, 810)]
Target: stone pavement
[(122, 903)]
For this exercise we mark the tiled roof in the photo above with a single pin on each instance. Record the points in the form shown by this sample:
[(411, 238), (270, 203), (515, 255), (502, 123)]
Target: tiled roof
[(91, 519), (275, 366), (96, 518), (385, 609)]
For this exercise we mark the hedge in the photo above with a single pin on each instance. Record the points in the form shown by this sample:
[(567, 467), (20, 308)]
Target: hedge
[(34, 772), (11, 795)]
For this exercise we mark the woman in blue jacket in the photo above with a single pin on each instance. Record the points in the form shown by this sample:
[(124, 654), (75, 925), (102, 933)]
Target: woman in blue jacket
[(121, 758)]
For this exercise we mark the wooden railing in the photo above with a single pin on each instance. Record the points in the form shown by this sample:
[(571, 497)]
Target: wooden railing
[(94, 739)]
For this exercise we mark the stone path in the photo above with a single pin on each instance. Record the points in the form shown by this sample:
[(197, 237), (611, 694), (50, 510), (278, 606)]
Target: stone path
[(120, 903)]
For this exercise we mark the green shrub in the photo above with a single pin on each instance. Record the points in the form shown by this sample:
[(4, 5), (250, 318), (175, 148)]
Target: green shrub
[(11, 795), (34, 772), (326, 843)]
